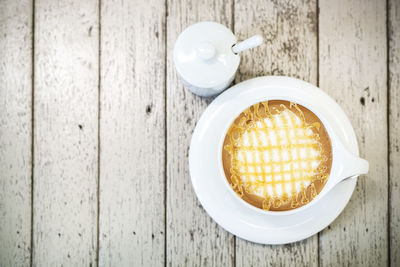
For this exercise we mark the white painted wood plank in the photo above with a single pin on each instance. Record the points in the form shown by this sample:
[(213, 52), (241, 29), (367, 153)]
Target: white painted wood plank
[(290, 48), (193, 238), (394, 130), (352, 67), (66, 131), (132, 133), (15, 132)]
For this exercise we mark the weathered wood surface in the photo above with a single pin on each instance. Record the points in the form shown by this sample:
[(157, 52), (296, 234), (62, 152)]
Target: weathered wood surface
[(193, 238), (15, 132), (65, 133), (352, 69), (290, 48), (394, 130), (132, 133), (112, 125)]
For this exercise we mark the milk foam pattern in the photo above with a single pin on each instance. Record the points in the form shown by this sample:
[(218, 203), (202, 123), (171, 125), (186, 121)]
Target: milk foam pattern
[(275, 156)]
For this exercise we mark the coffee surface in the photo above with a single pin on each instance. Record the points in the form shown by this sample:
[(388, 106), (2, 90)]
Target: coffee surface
[(277, 155)]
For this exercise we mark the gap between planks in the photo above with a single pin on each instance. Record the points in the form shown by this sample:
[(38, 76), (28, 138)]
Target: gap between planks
[(165, 129), (32, 132), (98, 134)]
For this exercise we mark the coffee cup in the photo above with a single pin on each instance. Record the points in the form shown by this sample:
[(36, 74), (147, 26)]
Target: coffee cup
[(249, 186)]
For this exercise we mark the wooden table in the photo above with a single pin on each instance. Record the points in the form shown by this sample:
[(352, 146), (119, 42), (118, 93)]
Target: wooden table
[(95, 129)]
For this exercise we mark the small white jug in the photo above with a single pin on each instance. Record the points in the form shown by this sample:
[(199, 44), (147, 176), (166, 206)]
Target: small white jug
[(206, 57)]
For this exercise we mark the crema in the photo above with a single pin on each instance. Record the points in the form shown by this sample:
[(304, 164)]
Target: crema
[(277, 155)]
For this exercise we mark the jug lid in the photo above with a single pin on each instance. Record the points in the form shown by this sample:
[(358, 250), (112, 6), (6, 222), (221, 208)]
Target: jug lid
[(203, 54)]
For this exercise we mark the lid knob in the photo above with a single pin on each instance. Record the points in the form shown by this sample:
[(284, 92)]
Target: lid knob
[(205, 50)]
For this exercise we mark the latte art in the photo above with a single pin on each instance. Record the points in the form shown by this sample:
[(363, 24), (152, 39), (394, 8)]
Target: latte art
[(278, 156), (276, 159)]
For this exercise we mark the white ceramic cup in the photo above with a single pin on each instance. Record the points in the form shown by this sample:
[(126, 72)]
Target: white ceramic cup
[(344, 164)]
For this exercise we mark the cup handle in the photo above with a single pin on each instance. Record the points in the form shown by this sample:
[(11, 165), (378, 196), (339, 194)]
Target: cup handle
[(351, 165)]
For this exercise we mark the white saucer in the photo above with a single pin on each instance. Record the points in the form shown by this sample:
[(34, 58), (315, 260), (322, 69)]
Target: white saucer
[(210, 186)]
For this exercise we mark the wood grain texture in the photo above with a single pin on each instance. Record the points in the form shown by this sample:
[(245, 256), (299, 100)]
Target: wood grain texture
[(193, 238), (290, 48), (353, 68), (132, 133), (146, 115), (15, 132), (66, 131), (394, 130)]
